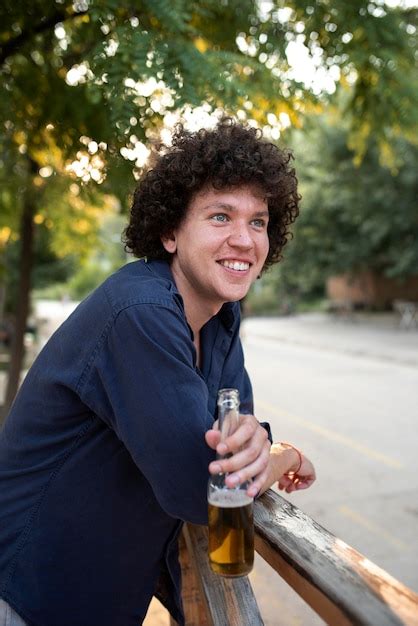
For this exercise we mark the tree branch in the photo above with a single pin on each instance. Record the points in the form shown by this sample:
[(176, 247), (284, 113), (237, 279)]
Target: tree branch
[(13, 45)]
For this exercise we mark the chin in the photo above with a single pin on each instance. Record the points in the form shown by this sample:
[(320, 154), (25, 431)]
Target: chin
[(235, 296)]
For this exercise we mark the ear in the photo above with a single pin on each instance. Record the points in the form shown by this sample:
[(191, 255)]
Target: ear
[(169, 242)]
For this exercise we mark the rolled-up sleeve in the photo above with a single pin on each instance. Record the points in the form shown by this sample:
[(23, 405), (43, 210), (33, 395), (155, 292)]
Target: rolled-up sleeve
[(143, 383)]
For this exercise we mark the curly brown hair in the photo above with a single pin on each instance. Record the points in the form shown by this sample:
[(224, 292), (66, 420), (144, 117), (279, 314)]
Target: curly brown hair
[(227, 156)]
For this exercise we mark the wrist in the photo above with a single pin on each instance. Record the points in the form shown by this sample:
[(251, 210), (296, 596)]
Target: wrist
[(294, 455), (283, 459)]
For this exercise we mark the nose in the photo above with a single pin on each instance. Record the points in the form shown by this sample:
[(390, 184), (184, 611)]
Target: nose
[(240, 237)]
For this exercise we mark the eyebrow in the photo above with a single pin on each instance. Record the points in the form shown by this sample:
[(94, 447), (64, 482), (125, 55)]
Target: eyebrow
[(230, 207)]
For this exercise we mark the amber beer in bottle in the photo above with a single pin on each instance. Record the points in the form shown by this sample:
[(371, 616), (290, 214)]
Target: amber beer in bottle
[(231, 526)]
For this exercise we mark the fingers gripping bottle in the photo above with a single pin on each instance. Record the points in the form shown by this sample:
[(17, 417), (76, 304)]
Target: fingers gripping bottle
[(231, 527)]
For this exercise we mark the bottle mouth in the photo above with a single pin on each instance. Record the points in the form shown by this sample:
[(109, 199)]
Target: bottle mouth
[(228, 398)]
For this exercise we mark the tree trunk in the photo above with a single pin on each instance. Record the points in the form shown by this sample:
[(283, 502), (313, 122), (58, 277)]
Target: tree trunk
[(22, 305), (2, 300)]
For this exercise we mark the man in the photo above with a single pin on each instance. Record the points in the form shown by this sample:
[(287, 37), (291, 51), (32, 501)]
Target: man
[(108, 444)]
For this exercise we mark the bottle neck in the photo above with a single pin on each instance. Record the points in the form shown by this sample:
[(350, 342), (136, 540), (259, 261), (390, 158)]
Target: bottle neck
[(228, 415), (228, 422)]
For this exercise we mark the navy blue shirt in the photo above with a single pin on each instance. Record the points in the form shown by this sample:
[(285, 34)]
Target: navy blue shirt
[(103, 453)]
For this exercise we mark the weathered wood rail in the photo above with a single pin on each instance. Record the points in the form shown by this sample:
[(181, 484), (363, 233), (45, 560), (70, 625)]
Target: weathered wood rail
[(339, 583)]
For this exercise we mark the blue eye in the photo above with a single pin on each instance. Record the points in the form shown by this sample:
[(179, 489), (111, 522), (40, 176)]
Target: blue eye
[(259, 223), (219, 217)]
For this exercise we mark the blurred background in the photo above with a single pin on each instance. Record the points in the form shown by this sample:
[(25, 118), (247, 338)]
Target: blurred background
[(331, 337)]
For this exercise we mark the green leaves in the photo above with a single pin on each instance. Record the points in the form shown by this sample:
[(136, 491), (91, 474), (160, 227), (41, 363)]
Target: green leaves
[(353, 217), (109, 71)]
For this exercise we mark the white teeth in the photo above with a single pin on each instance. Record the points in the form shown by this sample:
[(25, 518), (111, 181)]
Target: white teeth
[(236, 265)]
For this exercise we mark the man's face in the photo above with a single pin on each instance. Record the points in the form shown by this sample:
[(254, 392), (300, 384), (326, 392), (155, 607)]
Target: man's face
[(220, 247)]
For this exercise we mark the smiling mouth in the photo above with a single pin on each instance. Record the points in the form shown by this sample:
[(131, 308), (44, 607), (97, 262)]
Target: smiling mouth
[(240, 266)]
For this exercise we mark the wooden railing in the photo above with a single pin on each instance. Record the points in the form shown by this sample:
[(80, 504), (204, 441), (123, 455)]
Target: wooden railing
[(339, 583)]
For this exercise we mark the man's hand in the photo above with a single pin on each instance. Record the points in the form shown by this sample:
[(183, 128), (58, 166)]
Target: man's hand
[(283, 462), (303, 479), (250, 449)]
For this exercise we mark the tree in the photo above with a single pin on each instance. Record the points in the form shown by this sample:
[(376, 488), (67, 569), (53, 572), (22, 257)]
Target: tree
[(82, 81), (354, 216)]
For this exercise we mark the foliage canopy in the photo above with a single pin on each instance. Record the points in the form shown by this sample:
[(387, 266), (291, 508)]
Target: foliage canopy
[(354, 217), (82, 80)]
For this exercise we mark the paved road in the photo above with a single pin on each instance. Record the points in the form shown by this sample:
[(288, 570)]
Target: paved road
[(347, 394)]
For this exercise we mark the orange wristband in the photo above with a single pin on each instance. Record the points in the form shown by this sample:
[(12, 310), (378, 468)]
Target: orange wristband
[(300, 455)]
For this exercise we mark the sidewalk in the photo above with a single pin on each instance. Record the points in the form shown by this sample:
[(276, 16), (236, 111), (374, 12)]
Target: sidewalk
[(377, 336)]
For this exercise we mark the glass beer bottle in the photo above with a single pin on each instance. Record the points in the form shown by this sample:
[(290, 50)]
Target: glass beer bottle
[(231, 526)]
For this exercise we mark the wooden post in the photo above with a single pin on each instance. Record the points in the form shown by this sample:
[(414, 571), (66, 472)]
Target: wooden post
[(194, 609), (228, 601)]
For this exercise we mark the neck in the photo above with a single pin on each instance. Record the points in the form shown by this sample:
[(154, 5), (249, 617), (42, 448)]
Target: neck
[(197, 318), (198, 311)]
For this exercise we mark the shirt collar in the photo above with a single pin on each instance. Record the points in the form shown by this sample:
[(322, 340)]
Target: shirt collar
[(229, 314), (229, 311), (161, 268)]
